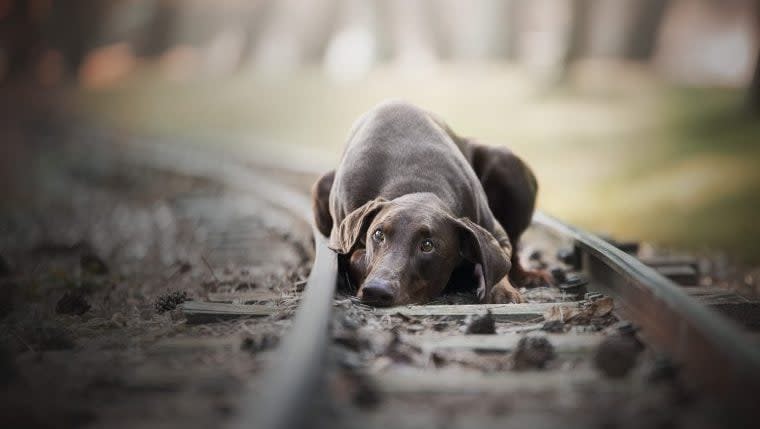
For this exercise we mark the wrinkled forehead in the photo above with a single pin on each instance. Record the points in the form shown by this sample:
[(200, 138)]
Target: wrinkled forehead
[(416, 213)]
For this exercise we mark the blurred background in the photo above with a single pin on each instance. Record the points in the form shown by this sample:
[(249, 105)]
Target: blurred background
[(640, 117)]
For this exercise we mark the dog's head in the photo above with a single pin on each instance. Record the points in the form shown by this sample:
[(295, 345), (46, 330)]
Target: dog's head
[(409, 247)]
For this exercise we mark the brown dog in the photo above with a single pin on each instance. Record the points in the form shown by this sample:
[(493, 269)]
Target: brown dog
[(411, 203)]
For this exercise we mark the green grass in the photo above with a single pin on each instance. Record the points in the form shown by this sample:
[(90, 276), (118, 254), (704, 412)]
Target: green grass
[(640, 159)]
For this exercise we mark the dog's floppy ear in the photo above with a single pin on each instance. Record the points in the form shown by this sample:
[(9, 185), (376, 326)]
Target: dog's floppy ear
[(320, 202), (343, 238), (480, 247)]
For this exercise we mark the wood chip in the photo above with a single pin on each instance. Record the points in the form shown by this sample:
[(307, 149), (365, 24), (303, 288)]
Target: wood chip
[(564, 344), (466, 382), (249, 297), (205, 312), (500, 312)]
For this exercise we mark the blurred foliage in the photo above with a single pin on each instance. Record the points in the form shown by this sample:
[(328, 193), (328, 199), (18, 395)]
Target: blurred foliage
[(629, 156)]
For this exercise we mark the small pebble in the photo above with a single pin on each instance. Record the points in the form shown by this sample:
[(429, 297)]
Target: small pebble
[(259, 343), (438, 359), (559, 275), (72, 302), (119, 320), (349, 323), (185, 267), (553, 326), (366, 395), (663, 369), (532, 353), (617, 355), (483, 324), (440, 326)]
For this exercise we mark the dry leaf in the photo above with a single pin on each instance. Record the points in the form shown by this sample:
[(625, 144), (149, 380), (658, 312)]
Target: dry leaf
[(581, 313)]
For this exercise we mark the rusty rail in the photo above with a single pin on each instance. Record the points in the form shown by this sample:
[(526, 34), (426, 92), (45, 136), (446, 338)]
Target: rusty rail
[(709, 346)]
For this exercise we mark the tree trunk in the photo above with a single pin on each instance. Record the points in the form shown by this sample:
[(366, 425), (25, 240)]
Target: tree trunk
[(73, 30), (577, 36), (20, 39), (752, 100), (160, 30), (642, 35), (512, 43), (753, 92)]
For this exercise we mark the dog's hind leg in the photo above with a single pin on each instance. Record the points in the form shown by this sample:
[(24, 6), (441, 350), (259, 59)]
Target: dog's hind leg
[(511, 189)]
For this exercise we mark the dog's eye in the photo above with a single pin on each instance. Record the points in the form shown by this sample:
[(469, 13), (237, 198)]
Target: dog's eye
[(378, 235), (426, 245)]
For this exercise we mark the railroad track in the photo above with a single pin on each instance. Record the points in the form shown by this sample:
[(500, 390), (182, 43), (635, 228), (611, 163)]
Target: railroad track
[(616, 328)]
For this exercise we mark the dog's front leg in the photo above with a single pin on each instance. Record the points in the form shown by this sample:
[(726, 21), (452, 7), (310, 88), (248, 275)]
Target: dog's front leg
[(501, 293), (528, 278)]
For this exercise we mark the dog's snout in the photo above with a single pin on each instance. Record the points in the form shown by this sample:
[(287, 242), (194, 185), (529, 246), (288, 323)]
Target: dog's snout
[(378, 293)]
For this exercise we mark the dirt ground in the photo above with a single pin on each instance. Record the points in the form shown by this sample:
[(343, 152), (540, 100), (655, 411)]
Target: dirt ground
[(94, 262)]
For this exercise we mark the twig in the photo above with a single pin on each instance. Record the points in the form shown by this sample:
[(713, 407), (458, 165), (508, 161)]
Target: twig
[(203, 258)]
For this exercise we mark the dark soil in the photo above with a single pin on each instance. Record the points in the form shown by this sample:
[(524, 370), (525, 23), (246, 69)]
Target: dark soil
[(46, 335), (5, 268), (8, 290), (8, 369)]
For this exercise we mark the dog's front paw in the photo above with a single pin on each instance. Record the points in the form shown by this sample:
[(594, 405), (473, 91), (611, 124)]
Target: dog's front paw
[(533, 278), (504, 293)]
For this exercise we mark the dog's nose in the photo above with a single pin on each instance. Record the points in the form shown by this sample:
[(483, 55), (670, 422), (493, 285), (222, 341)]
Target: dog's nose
[(377, 293)]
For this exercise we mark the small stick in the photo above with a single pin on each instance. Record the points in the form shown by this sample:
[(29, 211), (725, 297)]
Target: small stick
[(203, 258)]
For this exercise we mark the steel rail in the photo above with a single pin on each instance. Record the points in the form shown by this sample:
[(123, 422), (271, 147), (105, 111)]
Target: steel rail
[(295, 383), (711, 348)]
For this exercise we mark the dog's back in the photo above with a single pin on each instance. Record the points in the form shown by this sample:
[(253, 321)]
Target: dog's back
[(398, 149)]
